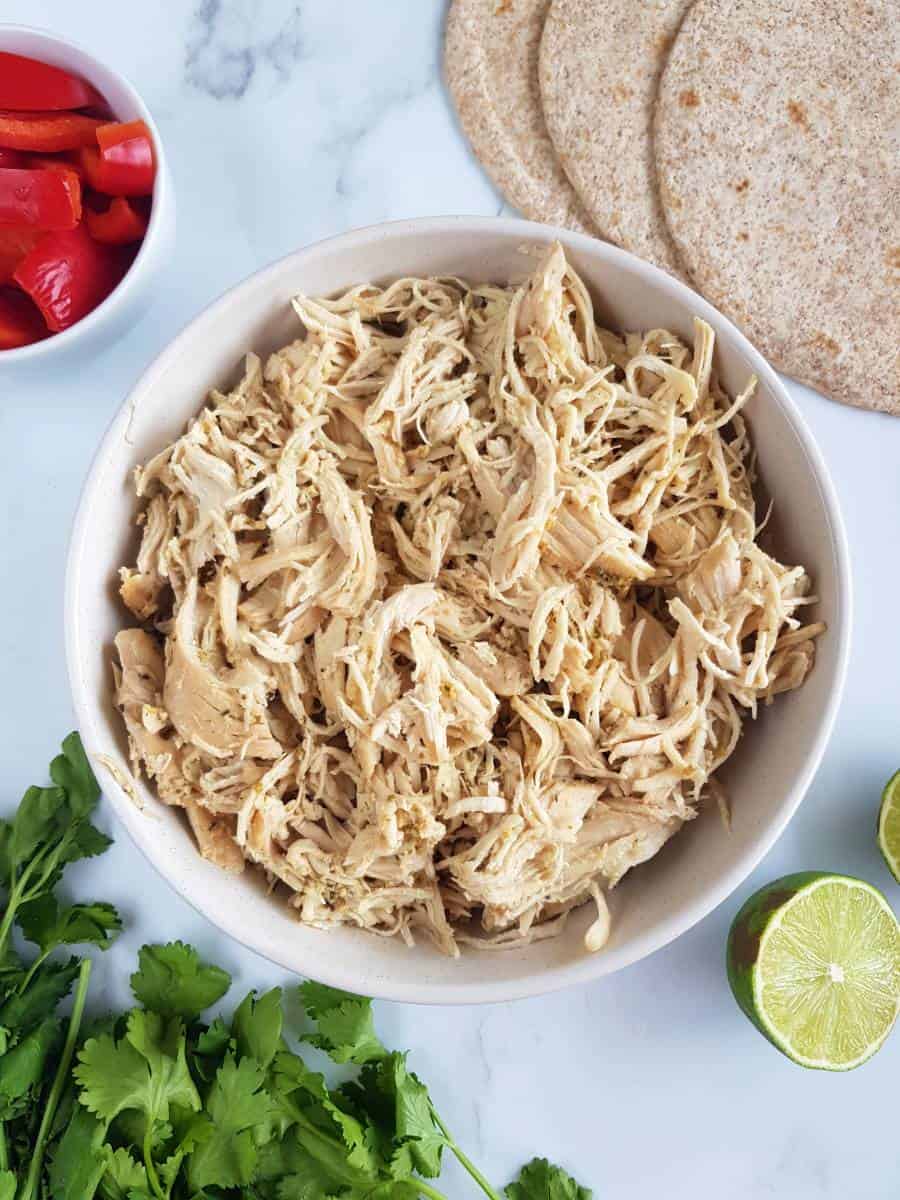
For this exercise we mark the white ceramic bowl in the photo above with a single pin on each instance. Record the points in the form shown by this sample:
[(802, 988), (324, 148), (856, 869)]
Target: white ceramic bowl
[(126, 302), (767, 776)]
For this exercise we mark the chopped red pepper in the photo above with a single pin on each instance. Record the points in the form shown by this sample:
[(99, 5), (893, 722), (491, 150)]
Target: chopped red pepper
[(108, 178), (40, 199), (65, 161), (21, 322), (29, 84), (120, 224), (68, 274), (47, 131), (12, 158), (126, 165), (14, 245)]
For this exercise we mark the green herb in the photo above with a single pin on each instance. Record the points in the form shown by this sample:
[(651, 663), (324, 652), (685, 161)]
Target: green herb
[(172, 1111), (541, 1180), (51, 828), (344, 1027), (173, 981)]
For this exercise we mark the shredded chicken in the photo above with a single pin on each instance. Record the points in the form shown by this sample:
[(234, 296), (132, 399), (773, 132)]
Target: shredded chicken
[(451, 610)]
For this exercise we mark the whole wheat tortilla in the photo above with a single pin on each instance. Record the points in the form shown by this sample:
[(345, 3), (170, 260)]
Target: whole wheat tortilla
[(779, 167), (490, 61), (599, 67)]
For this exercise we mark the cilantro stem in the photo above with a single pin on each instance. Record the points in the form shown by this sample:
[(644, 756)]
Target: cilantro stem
[(12, 904), (426, 1190), (4, 1153), (465, 1161), (60, 1080), (149, 1164), (19, 893), (32, 970)]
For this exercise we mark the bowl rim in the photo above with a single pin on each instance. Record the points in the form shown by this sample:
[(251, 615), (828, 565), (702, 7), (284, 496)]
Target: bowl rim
[(162, 197), (589, 967)]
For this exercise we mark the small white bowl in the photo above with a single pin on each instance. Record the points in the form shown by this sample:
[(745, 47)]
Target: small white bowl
[(768, 775), (126, 302)]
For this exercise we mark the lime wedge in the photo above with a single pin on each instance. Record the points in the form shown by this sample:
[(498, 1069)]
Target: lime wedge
[(889, 825), (814, 962)]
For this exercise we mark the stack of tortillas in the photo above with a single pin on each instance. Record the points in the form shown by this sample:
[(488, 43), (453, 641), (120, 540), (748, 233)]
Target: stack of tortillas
[(750, 147)]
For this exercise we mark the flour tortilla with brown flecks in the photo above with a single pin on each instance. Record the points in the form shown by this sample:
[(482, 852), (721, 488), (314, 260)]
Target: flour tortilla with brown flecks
[(778, 158), (490, 63), (599, 68)]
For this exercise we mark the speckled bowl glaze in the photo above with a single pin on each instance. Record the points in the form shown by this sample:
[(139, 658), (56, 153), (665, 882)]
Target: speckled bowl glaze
[(768, 775)]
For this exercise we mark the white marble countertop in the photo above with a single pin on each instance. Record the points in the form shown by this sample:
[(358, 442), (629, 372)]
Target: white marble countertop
[(286, 122)]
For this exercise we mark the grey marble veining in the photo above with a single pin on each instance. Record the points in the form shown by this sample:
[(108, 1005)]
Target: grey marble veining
[(229, 44)]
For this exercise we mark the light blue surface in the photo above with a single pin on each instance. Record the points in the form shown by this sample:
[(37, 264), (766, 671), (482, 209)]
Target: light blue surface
[(284, 124)]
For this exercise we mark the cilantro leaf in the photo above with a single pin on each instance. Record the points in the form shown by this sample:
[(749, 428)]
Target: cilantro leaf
[(114, 1077), (296, 1174), (40, 817), (331, 1152), (236, 1104), (207, 1047), (541, 1180), (85, 841), (413, 1115), (132, 1126), (309, 1165), (345, 1029), (213, 1040), (305, 1096), (7, 1185), (79, 1160), (257, 1026), (23, 1066), (38, 998), (146, 1070), (168, 1170), (71, 771), (368, 1099), (122, 1176), (172, 980), (398, 1105), (44, 922), (312, 1182)]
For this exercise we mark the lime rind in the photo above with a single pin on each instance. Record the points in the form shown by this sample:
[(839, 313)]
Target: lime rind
[(774, 927), (889, 825)]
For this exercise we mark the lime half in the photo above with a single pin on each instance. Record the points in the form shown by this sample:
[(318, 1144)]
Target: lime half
[(814, 962), (889, 825)]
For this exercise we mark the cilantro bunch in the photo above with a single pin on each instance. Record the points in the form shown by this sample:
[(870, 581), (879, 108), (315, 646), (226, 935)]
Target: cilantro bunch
[(159, 1103), (51, 829), (171, 1107)]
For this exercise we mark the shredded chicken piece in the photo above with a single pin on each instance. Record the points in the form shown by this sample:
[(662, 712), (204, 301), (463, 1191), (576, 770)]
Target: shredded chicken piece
[(451, 610)]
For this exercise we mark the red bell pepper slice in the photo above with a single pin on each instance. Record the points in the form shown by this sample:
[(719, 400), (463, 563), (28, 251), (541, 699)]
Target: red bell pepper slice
[(14, 245), (127, 163), (120, 224), (109, 178), (68, 274), (12, 158), (29, 84), (21, 322), (47, 132), (40, 199), (66, 161)]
